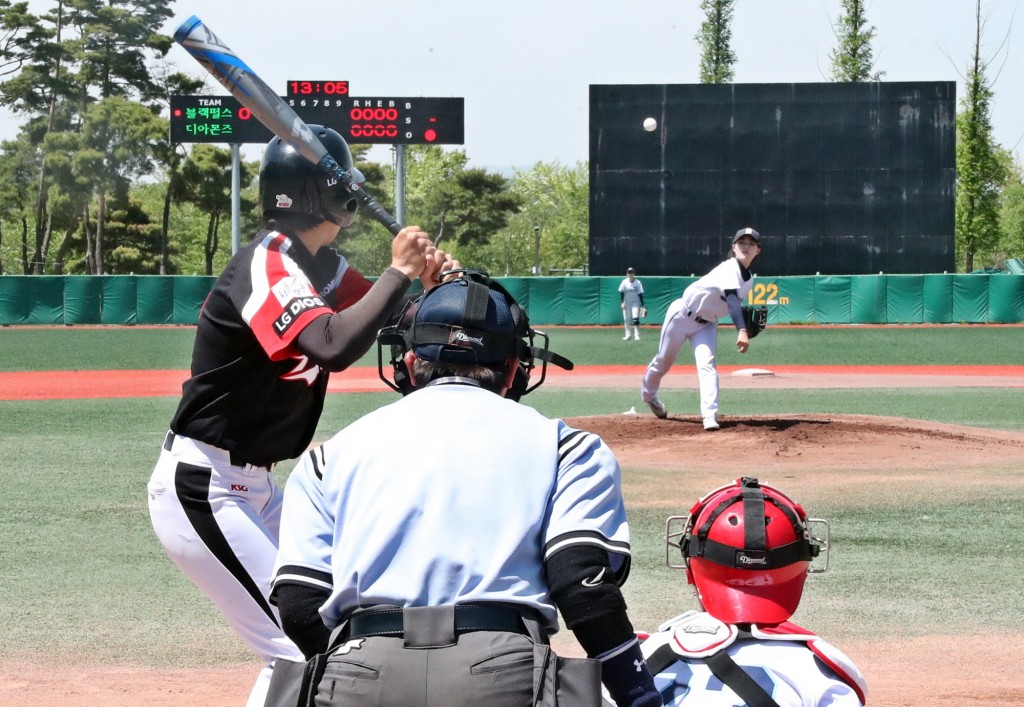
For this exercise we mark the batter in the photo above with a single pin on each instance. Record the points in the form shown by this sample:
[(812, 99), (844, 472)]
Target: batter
[(286, 310)]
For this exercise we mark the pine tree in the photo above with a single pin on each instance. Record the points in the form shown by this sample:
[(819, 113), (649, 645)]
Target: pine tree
[(852, 59), (980, 173), (55, 67), (714, 37)]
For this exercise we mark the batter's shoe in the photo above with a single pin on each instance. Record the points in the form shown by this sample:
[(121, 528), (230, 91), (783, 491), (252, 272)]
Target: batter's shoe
[(626, 337), (711, 424), (658, 408), (636, 336)]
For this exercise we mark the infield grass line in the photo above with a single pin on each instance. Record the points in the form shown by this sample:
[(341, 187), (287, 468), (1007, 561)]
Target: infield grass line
[(129, 348)]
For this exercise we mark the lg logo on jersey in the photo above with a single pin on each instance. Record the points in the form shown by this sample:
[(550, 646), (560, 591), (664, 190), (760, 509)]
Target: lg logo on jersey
[(295, 307), (240, 488)]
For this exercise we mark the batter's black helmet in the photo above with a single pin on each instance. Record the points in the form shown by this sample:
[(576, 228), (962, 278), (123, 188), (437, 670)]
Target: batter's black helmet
[(290, 184), (468, 320)]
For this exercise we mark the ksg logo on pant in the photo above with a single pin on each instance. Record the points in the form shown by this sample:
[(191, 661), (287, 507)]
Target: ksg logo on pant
[(240, 488)]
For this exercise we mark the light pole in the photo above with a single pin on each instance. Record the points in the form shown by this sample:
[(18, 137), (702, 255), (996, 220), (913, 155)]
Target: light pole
[(536, 250)]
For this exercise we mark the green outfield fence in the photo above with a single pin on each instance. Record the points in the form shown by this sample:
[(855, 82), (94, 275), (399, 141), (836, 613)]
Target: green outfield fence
[(821, 299)]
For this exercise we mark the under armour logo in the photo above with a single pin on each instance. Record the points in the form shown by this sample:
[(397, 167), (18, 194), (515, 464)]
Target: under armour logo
[(352, 645)]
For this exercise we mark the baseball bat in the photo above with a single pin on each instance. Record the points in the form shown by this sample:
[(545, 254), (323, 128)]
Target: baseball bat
[(270, 109)]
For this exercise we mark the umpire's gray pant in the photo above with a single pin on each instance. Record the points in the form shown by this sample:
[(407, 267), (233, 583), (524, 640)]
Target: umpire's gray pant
[(446, 656), (482, 668)]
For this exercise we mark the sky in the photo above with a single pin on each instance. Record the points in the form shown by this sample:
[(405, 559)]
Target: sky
[(524, 68)]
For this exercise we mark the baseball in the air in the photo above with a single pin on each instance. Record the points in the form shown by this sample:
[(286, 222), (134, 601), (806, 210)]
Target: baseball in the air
[(650, 124)]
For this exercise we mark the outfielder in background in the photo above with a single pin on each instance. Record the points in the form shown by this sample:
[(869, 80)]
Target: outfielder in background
[(694, 318), (631, 293), (286, 310), (747, 549), (437, 549)]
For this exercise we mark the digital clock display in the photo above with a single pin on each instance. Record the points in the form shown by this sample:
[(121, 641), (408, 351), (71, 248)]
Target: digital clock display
[(317, 88), (361, 121)]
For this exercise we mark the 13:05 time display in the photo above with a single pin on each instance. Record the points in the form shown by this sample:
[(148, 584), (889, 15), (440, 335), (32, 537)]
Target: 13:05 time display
[(318, 88)]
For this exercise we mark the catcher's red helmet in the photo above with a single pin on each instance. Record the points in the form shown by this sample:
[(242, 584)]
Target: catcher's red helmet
[(747, 549)]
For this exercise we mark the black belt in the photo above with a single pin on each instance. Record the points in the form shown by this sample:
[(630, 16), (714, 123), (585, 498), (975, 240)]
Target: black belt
[(235, 459), (468, 617), (699, 320)]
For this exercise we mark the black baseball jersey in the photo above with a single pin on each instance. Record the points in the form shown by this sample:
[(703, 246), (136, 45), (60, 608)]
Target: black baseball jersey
[(251, 391)]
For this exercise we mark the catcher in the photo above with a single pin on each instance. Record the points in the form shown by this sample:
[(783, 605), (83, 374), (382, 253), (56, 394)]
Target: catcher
[(747, 549), (694, 318)]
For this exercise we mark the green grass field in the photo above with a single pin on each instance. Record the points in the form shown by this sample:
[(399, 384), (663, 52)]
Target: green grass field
[(70, 348), (85, 580)]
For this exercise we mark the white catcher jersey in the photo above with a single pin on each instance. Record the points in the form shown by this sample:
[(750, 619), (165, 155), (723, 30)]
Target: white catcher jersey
[(705, 297), (452, 494), (793, 665), (631, 291)]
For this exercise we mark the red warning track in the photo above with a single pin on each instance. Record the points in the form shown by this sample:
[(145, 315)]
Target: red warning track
[(55, 385)]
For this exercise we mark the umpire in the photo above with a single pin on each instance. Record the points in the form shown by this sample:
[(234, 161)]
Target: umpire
[(425, 547)]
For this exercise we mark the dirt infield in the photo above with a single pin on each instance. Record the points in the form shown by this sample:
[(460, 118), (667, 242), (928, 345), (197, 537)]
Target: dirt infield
[(918, 672), (985, 670), (52, 385)]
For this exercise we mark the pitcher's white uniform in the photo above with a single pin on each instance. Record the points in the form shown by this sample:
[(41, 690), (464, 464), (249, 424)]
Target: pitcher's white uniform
[(632, 291), (694, 317), (793, 665)]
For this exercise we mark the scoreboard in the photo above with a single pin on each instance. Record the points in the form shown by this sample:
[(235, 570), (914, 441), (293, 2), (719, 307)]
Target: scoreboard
[(361, 121)]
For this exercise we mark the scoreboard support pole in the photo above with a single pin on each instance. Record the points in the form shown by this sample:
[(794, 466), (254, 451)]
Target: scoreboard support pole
[(400, 183), (236, 198)]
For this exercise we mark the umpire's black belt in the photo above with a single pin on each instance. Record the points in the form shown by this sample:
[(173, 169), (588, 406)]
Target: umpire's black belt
[(468, 618)]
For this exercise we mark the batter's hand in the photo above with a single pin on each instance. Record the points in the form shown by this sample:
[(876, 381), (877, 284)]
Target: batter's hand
[(437, 263), (742, 341), (410, 250), (451, 264)]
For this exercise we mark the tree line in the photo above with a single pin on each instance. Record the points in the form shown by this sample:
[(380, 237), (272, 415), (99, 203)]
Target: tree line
[(93, 185), (989, 216)]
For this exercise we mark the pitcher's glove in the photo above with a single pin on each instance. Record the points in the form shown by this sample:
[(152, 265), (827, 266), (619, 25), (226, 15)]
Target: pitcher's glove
[(755, 319)]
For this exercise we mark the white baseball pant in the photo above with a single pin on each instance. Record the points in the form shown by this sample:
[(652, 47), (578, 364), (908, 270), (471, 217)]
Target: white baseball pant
[(629, 314), (219, 523), (681, 326)]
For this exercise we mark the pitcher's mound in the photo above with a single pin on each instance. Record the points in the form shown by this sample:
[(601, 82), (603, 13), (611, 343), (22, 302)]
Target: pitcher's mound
[(786, 441)]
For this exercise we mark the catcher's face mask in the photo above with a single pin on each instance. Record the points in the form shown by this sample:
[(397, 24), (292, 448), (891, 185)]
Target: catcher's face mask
[(470, 319), (747, 549)]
